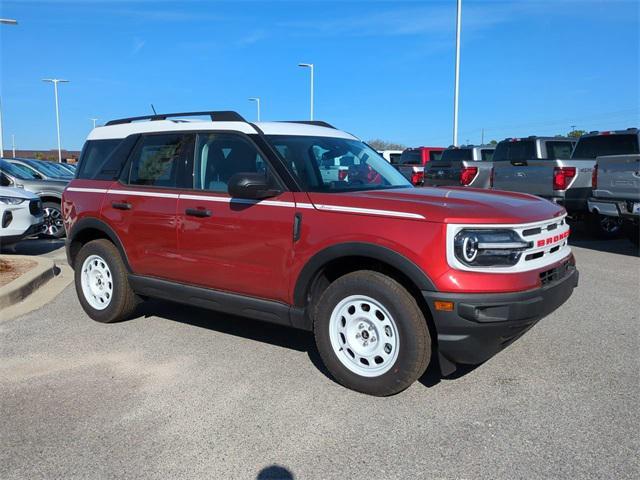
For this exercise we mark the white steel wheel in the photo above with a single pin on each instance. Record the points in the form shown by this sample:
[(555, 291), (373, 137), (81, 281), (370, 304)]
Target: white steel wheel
[(364, 336), (97, 282)]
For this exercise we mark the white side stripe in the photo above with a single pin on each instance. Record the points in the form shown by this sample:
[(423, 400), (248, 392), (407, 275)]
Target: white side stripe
[(369, 211), (266, 203), (88, 190)]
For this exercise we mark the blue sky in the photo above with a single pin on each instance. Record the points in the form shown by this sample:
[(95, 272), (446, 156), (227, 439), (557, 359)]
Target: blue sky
[(383, 69)]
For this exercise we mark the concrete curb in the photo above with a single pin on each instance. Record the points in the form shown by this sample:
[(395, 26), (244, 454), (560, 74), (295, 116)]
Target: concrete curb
[(23, 286)]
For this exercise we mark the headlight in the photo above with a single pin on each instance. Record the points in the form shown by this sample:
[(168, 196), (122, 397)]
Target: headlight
[(11, 200), (488, 248)]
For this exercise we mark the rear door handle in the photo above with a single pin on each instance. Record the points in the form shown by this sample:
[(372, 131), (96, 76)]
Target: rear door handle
[(121, 205), (198, 212)]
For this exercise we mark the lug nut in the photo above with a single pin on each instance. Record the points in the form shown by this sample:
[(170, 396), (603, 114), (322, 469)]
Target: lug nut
[(361, 326), (365, 343), (373, 339), (358, 335)]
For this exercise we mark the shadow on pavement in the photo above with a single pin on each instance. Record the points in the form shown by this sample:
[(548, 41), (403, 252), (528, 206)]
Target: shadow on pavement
[(620, 246), (33, 246), (264, 332), (275, 472)]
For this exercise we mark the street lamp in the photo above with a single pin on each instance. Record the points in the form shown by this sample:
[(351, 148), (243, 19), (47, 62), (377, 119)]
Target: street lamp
[(55, 82), (4, 21), (257, 100), (94, 120), (309, 66), (456, 87)]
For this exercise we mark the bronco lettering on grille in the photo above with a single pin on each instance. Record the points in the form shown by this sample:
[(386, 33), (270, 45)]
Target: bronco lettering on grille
[(552, 240)]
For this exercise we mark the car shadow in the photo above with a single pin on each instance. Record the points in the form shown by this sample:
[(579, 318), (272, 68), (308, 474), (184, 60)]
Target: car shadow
[(264, 332), (272, 334), (33, 246), (580, 237)]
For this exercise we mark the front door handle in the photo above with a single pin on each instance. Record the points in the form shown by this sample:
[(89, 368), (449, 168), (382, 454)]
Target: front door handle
[(121, 205), (198, 212)]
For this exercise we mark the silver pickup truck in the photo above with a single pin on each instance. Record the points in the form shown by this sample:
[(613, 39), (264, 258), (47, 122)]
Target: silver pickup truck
[(542, 166), (616, 191), (467, 165)]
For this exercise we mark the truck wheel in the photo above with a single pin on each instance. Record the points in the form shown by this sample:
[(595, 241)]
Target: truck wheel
[(371, 334), (102, 284), (604, 227), (53, 224)]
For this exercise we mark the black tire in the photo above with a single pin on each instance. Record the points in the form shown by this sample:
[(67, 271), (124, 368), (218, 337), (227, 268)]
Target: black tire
[(413, 334), (632, 232), (53, 220), (603, 227), (123, 300)]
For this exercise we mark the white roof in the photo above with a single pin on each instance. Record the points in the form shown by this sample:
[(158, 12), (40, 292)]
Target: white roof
[(269, 128)]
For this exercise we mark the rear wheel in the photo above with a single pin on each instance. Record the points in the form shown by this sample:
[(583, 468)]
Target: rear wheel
[(604, 227), (371, 334), (102, 284), (53, 224)]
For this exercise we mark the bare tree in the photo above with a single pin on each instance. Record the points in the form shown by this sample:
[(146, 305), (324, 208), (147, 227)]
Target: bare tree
[(379, 144)]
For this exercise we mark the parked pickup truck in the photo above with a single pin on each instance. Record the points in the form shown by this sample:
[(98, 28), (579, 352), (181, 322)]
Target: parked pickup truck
[(413, 160), (467, 165), (616, 191)]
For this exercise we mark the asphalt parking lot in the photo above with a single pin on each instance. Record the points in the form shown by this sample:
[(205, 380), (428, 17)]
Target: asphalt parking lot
[(180, 392)]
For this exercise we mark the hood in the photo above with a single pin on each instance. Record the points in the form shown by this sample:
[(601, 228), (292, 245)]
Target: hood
[(17, 193), (443, 205)]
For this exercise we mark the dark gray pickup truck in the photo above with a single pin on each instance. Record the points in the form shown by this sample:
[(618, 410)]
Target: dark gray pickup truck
[(467, 165), (616, 192)]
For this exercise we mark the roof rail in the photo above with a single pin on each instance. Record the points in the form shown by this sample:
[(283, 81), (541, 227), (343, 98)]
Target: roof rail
[(220, 116), (318, 123)]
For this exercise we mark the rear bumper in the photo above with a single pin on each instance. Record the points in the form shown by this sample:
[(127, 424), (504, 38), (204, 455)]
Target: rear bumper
[(613, 208), (481, 325)]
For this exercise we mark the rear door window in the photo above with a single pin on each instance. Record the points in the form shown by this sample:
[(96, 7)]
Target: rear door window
[(162, 161), (599, 145), (486, 154), (559, 150), (411, 157), (93, 157), (515, 151), (434, 156)]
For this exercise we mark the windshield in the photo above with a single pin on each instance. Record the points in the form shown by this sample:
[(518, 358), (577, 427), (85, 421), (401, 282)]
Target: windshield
[(455, 154), (324, 164), (21, 173), (48, 169), (597, 146), (510, 150)]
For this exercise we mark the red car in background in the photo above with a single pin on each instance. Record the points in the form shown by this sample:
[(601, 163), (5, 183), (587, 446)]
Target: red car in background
[(413, 160)]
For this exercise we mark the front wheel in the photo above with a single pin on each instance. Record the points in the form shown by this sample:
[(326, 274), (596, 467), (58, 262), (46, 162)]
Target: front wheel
[(371, 334), (53, 224)]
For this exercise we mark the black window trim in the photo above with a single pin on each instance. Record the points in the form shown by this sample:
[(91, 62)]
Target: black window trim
[(123, 177)]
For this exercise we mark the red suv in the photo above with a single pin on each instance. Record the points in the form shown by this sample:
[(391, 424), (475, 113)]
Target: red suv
[(237, 217), (412, 162)]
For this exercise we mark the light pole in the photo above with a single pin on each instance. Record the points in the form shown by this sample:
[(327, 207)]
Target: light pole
[(94, 120), (13, 145), (4, 21), (55, 82), (257, 100), (457, 80), (310, 67)]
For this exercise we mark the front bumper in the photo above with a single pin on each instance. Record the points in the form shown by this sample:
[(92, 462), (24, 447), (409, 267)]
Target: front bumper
[(480, 325)]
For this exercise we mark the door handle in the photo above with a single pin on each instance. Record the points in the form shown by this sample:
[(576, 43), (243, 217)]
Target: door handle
[(198, 212), (121, 205)]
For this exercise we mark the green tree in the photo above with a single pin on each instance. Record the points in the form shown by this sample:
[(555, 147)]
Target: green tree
[(379, 144), (39, 156), (576, 133), (493, 142)]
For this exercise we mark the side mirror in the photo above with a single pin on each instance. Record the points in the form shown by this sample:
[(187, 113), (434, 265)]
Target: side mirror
[(253, 186)]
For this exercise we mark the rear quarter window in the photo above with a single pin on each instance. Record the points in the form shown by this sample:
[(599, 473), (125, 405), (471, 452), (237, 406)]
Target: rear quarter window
[(94, 156), (559, 150)]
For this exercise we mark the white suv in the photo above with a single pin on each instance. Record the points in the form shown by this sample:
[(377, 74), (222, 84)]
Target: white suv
[(21, 214)]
